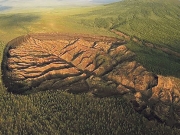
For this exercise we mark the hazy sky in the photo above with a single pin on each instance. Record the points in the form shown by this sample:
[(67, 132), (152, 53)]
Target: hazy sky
[(33, 3)]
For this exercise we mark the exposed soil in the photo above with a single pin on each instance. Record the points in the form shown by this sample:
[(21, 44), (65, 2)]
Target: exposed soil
[(102, 66), (58, 60)]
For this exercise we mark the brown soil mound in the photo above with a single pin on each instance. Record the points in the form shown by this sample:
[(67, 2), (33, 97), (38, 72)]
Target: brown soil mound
[(56, 61), (102, 66)]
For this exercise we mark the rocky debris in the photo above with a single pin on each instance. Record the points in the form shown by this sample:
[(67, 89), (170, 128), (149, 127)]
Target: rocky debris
[(101, 66), (165, 100)]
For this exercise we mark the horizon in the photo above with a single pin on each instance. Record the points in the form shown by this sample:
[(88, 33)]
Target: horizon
[(8, 4)]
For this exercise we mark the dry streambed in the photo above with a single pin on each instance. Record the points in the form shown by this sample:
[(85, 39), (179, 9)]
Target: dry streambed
[(101, 66)]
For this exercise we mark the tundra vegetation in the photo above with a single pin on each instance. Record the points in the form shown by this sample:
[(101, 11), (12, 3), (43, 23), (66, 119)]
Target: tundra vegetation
[(58, 112)]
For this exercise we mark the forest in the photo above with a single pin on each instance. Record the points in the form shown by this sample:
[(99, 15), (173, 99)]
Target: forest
[(58, 112)]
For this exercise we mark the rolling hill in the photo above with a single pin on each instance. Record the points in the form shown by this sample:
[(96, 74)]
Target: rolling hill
[(156, 22)]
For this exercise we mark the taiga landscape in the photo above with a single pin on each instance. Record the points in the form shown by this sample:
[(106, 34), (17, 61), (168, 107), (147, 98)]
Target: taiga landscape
[(90, 67)]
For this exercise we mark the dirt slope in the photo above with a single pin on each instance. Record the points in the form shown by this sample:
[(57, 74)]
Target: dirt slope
[(102, 66)]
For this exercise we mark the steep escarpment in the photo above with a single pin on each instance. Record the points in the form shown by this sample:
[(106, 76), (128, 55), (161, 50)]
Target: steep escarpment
[(165, 100), (101, 66), (42, 61)]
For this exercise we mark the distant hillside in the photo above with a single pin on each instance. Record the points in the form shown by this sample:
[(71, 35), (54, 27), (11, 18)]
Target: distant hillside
[(154, 20)]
